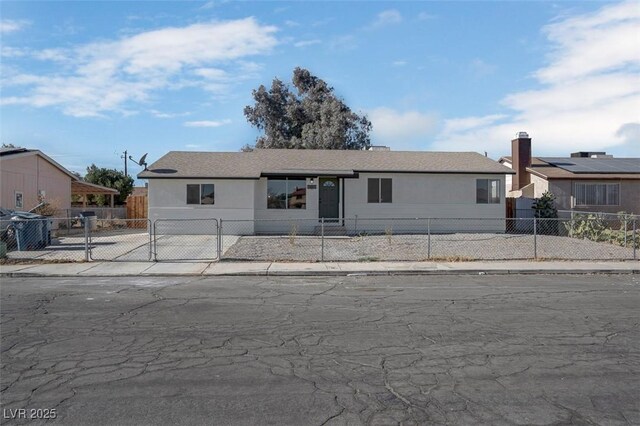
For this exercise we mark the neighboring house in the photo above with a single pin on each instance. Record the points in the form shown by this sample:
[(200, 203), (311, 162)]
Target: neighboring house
[(139, 191), (585, 181), (332, 184), (29, 177)]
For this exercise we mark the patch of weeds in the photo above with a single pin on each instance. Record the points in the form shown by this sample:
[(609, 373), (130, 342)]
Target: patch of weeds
[(450, 259), (388, 231), (293, 232), (368, 259)]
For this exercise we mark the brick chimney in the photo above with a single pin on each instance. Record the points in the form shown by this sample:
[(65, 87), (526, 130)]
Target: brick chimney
[(520, 160)]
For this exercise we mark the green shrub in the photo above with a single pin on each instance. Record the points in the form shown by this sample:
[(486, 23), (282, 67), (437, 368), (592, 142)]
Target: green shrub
[(545, 210)]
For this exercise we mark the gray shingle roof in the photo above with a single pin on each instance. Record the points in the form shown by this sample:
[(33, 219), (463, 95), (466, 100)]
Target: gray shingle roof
[(551, 171), (182, 164)]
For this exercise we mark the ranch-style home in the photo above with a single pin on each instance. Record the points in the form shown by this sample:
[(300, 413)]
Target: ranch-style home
[(29, 177), (270, 186)]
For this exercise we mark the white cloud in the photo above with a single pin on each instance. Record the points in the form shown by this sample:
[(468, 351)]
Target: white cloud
[(480, 68), (305, 43), (207, 123), (424, 16), (387, 17), (211, 73), (13, 52), (589, 94), (160, 114), (401, 130), (453, 126), (12, 25), (108, 76), (399, 63), (597, 42), (343, 43)]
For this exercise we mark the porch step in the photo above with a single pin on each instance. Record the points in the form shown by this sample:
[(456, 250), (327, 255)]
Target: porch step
[(331, 230)]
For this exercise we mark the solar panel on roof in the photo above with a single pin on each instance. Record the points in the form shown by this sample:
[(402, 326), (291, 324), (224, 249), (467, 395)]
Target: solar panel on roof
[(595, 165)]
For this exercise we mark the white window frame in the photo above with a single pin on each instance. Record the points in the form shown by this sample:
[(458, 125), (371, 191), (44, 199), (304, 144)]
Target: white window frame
[(15, 199), (583, 187), (286, 203), (380, 200), (200, 203), (489, 185)]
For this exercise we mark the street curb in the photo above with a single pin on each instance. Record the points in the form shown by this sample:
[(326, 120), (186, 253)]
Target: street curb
[(346, 273)]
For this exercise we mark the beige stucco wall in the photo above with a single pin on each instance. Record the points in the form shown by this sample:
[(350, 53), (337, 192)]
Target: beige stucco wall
[(414, 196), (423, 195), (262, 212), (564, 190), (444, 196), (233, 201), (508, 179), (30, 174), (540, 185)]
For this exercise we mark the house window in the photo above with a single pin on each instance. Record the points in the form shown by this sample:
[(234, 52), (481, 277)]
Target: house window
[(487, 191), (597, 194), (287, 193), (19, 200), (201, 193), (379, 190)]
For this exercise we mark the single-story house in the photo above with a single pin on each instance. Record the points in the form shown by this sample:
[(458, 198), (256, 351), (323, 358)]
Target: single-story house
[(29, 177), (281, 184), (585, 181)]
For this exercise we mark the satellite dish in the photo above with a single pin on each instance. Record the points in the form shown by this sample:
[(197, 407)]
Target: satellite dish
[(141, 161)]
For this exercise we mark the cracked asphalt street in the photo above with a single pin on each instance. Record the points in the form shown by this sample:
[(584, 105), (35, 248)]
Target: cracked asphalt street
[(531, 349)]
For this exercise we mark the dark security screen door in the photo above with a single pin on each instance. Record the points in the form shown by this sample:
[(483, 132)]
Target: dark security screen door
[(328, 200)]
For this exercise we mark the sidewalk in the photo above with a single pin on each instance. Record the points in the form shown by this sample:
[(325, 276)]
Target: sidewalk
[(133, 269)]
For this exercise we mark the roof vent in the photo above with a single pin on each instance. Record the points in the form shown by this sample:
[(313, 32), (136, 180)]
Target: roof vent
[(590, 154), (522, 135)]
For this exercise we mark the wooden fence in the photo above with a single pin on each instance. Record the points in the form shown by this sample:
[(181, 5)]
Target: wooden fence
[(137, 209)]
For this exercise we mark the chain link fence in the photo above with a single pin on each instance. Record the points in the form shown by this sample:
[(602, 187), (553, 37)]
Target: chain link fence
[(185, 239), (127, 240), (76, 239), (419, 239), (573, 237)]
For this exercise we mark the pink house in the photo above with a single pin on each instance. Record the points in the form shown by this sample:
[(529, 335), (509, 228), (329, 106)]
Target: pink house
[(28, 177)]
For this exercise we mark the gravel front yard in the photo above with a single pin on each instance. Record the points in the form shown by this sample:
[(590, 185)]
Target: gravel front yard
[(416, 248)]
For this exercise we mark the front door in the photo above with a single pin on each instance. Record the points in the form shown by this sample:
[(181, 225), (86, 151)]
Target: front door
[(328, 198)]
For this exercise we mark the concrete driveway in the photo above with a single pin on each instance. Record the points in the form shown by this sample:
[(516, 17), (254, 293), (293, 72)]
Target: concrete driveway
[(352, 350), (130, 246)]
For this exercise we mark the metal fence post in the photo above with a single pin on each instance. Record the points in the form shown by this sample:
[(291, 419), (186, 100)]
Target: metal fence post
[(220, 236), (625, 232), (86, 239), (322, 239), (535, 239), (428, 238), (355, 226), (151, 239), (634, 240)]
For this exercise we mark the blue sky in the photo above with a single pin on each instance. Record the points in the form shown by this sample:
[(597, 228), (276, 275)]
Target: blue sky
[(83, 81)]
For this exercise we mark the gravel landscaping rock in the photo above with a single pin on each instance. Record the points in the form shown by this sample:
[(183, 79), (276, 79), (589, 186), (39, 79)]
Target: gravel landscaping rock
[(416, 248)]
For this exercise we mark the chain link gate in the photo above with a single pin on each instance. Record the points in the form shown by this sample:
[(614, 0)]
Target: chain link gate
[(124, 240), (185, 240)]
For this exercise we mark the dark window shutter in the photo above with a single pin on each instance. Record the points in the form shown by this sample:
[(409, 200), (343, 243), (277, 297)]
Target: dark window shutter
[(193, 194), (373, 191), (482, 191), (385, 191)]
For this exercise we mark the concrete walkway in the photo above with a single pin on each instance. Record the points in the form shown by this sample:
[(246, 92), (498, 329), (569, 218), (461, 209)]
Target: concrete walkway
[(128, 269)]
